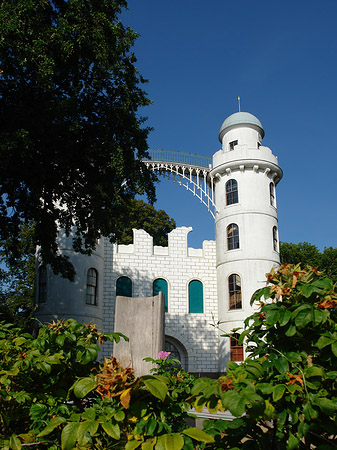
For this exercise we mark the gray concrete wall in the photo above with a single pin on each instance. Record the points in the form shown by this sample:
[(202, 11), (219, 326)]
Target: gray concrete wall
[(142, 320)]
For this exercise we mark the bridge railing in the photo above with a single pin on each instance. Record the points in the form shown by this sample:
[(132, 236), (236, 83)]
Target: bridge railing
[(175, 157)]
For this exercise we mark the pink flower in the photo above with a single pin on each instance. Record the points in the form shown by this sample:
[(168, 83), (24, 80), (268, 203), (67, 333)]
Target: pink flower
[(163, 355)]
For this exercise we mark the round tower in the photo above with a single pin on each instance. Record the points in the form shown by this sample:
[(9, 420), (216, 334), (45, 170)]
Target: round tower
[(81, 299), (246, 229)]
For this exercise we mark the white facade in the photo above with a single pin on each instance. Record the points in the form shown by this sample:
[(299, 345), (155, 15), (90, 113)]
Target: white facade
[(244, 175)]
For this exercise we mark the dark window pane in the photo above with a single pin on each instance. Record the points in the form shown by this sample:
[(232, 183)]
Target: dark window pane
[(234, 287), (124, 287), (160, 285), (233, 237), (236, 349), (91, 295), (195, 297), (232, 192)]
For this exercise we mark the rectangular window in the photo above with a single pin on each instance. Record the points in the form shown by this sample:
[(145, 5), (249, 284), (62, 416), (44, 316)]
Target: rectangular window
[(232, 145)]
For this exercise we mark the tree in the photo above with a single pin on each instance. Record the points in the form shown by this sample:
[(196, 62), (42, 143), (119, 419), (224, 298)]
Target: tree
[(71, 138), (17, 280), (308, 255), (144, 216), (287, 386)]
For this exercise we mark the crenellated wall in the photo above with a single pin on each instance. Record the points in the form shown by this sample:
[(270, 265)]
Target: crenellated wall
[(178, 265)]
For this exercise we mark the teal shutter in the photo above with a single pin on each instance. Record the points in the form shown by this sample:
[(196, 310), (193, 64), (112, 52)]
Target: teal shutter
[(124, 287), (160, 285), (195, 297)]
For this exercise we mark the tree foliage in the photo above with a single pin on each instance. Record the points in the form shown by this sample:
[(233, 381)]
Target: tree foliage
[(287, 386), (17, 280), (309, 255), (54, 394), (144, 216), (71, 139)]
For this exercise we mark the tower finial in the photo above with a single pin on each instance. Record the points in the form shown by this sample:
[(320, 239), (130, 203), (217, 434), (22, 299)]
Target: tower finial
[(239, 104)]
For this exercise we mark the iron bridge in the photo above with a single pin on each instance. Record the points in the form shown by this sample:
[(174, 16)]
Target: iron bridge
[(190, 170)]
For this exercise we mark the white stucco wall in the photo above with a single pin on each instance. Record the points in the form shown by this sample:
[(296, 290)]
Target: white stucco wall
[(178, 265)]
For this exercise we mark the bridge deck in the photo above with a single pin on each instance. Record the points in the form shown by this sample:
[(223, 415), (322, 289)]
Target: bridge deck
[(175, 157)]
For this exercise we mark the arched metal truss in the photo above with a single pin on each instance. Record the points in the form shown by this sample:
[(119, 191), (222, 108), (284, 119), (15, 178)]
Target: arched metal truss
[(189, 170)]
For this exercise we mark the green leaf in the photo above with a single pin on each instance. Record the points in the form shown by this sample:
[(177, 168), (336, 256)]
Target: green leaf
[(131, 445), (148, 445), (60, 340), (303, 318), (14, 443), (112, 430), (259, 293), (326, 405), (233, 401), (254, 367), (284, 317), (278, 392), (269, 409), (282, 365), (314, 371), (55, 422), (83, 430), (198, 435), (151, 427), (293, 442), (156, 387), (172, 441), (294, 357), (232, 365), (325, 340), (119, 416), (83, 386), (68, 436), (19, 341), (291, 331), (89, 414), (54, 359), (334, 348), (265, 388)]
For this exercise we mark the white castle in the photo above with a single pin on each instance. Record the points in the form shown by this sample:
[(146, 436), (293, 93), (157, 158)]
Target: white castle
[(201, 286)]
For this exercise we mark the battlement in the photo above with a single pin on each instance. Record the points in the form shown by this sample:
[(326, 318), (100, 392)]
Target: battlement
[(177, 244)]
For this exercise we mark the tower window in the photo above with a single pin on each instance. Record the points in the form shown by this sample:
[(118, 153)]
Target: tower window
[(272, 193), (42, 294), (124, 287), (233, 237), (92, 278), (234, 288), (275, 240), (236, 349), (160, 285), (195, 297), (232, 145), (232, 192)]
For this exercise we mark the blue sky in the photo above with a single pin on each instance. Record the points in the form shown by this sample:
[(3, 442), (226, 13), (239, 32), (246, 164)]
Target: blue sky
[(281, 59)]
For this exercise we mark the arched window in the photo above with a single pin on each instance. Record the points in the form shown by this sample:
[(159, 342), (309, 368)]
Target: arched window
[(236, 349), (42, 294), (233, 237), (275, 240), (234, 288), (272, 193), (177, 350), (160, 285), (92, 278), (232, 192), (124, 287), (195, 297)]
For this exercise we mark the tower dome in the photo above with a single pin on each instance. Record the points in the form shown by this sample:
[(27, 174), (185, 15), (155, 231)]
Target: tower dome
[(240, 119)]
